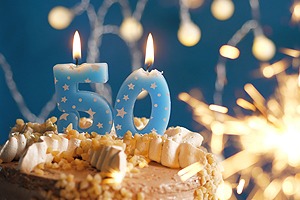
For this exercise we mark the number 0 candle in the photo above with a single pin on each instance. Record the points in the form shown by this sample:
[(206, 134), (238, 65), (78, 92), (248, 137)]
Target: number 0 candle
[(71, 100), (155, 84)]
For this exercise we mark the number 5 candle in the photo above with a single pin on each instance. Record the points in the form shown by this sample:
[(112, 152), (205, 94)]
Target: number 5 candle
[(155, 84), (70, 99)]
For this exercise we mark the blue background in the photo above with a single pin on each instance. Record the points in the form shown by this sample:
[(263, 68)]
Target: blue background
[(32, 47)]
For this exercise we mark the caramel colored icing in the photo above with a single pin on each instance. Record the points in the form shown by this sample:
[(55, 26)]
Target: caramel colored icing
[(155, 181)]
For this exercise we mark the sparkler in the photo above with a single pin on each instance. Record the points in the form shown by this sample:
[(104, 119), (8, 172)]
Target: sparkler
[(268, 159)]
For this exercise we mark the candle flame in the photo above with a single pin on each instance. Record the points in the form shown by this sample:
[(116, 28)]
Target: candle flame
[(76, 46), (149, 58)]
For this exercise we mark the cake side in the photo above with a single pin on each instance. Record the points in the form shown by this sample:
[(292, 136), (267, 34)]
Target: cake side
[(69, 173)]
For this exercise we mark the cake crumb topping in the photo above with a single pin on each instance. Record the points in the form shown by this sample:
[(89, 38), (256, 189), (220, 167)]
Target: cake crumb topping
[(72, 150)]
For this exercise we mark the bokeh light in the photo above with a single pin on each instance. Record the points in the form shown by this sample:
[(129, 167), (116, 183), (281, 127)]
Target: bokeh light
[(193, 3), (295, 10), (263, 48), (60, 17), (189, 34), (229, 51), (131, 30), (224, 191), (222, 9)]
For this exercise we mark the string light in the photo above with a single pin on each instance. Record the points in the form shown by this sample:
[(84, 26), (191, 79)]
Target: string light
[(60, 17), (222, 9), (224, 191), (131, 30), (263, 48), (189, 34), (295, 10), (229, 51), (193, 3)]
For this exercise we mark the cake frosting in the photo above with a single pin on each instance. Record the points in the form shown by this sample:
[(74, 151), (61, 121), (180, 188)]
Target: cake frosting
[(40, 163)]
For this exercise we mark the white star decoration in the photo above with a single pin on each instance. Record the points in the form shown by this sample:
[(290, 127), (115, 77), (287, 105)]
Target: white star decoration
[(87, 80), (121, 112), (64, 116), (131, 86), (91, 113), (153, 86), (64, 99), (99, 125), (119, 127), (66, 87), (125, 97)]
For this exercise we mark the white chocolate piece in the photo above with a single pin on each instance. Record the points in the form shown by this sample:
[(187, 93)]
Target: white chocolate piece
[(35, 154), (170, 153), (188, 154), (109, 159), (101, 157), (119, 163), (9, 150), (21, 145), (155, 149), (112, 151), (95, 156)]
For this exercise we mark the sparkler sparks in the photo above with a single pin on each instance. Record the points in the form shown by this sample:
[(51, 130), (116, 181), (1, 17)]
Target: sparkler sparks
[(268, 159)]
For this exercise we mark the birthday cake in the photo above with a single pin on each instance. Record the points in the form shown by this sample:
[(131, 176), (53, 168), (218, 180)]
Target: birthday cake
[(39, 163)]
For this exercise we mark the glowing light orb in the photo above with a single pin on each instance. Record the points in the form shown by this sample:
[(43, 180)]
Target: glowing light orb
[(222, 9), (263, 48), (192, 3), (296, 12), (189, 34), (60, 17), (289, 186), (229, 51), (131, 30), (224, 191)]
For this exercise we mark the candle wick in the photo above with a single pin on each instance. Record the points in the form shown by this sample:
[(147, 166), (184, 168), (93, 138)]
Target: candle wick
[(76, 61), (148, 65)]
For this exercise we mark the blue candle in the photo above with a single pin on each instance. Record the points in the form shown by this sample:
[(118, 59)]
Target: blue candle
[(70, 99), (155, 84)]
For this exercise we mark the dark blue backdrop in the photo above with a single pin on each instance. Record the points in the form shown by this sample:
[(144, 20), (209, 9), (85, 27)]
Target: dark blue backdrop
[(32, 47)]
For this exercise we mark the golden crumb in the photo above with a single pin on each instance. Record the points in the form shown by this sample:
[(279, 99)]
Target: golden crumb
[(140, 196)]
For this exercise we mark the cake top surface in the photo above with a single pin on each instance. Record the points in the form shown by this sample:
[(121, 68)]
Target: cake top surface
[(38, 148)]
